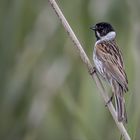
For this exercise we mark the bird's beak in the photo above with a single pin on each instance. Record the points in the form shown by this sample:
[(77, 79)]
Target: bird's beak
[(93, 28)]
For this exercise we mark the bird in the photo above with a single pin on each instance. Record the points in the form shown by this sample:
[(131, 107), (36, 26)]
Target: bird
[(109, 64)]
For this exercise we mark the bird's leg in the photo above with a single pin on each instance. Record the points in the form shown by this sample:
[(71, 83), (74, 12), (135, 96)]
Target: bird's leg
[(110, 99), (92, 71)]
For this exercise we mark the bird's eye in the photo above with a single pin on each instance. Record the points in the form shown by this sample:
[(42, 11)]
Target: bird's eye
[(100, 28)]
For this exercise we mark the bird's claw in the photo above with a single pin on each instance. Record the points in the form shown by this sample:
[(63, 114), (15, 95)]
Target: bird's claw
[(92, 71), (110, 100)]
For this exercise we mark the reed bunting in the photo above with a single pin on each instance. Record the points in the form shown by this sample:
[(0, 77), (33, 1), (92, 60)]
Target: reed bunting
[(109, 64)]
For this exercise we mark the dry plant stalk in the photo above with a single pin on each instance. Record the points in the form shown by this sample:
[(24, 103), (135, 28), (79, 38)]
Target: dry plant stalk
[(89, 66)]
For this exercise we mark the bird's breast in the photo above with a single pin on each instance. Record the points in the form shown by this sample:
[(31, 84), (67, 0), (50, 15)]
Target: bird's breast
[(98, 63)]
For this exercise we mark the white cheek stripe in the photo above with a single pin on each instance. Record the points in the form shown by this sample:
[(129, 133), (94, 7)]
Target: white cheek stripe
[(98, 34), (109, 36)]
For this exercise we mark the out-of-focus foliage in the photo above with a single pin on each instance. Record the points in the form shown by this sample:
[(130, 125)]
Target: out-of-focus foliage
[(45, 90)]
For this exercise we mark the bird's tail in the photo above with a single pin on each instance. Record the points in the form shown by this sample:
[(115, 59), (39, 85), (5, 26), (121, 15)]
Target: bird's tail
[(120, 106)]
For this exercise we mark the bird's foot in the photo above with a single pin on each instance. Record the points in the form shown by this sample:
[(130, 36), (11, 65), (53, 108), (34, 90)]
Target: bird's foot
[(92, 71), (110, 100)]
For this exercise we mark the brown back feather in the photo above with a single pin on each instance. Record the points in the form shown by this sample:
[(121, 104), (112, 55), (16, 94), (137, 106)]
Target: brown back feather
[(109, 53)]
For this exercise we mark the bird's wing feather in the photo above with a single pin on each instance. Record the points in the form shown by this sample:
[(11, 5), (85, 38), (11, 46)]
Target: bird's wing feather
[(110, 55)]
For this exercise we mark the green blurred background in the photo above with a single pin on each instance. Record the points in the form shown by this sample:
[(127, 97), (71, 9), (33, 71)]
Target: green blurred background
[(46, 92)]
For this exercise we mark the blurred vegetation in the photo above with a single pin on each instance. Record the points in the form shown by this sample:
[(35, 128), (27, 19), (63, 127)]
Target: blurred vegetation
[(45, 90)]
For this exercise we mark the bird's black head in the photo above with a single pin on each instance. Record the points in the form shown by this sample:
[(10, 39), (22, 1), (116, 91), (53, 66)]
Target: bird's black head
[(102, 29)]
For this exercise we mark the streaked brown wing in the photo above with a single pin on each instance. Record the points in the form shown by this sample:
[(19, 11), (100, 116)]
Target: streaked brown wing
[(110, 55)]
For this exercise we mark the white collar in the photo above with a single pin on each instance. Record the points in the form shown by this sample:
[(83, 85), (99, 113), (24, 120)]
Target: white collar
[(109, 36)]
